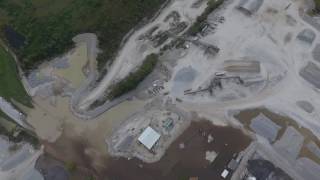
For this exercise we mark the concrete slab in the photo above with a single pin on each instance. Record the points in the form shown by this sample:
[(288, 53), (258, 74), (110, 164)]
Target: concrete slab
[(311, 73), (289, 145), (265, 127), (308, 168)]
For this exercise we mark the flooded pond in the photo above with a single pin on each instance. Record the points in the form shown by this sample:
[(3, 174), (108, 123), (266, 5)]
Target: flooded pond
[(15, 39), (190, 161), (246, 116)]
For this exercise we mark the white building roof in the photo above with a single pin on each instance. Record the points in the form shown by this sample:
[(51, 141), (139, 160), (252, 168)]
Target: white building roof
[(149, 137), (225, 173)]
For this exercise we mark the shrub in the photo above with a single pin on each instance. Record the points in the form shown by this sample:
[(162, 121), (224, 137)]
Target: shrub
[(133, 79)]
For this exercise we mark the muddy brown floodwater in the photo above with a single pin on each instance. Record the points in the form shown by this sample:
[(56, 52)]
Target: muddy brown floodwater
[(181, 164), (176, 164)]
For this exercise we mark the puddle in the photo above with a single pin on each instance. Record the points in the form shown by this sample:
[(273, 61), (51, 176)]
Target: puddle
[(183, 80), (15, 39), (188, 162), (247, 115)]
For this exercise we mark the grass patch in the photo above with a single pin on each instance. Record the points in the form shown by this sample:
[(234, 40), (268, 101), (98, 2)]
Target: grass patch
[(71, 167), (133, 79), (11, 86), (91, 177), (200, 22), (6, 124), (317, 3), (49, 25)]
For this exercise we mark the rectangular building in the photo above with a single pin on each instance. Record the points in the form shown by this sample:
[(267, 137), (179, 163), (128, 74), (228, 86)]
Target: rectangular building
[(149, 137)]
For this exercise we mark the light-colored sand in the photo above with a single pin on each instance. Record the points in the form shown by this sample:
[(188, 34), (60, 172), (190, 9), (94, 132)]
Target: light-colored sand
[(77, 61), (50, 121)]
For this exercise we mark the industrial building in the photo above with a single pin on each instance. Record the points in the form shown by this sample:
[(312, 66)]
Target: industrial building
[(249, 6), (265, 127), (149, 138)]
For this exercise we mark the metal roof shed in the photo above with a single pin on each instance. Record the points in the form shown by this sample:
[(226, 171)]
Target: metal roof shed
[(250, 6), (149, 137)]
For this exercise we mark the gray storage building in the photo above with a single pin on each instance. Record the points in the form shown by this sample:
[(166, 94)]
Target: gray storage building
[(250, 6)]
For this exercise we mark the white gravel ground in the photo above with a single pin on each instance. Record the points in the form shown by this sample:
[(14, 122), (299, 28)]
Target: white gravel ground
[(130, 56)]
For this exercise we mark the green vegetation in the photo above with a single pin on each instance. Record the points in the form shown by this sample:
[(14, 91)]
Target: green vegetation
[(25, 136), (176, 43), (6, 125), (11, 86), (71, 166), (200, 23), (91, 177), (316, 10), (49, 25), (133, 79), (183, 177), (14, 132)]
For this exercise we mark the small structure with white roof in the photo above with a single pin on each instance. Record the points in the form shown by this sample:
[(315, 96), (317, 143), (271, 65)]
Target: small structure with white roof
[(250, 6), (224, 174), (149, 138)]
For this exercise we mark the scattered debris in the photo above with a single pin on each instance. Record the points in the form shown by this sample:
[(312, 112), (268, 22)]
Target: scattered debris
[(210, 138)]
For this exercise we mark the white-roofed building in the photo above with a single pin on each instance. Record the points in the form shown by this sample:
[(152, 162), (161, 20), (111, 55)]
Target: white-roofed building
[(149, 137), (224, 174)]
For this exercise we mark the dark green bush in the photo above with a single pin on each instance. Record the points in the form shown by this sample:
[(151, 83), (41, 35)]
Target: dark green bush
[(133, 79), (198, 25)]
